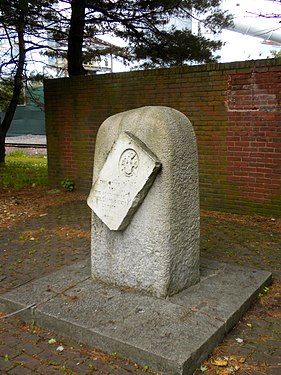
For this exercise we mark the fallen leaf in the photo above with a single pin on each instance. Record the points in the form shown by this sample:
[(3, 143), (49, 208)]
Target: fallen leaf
[(242, 360), (219, 362), (203, 368), (225, 372), (239, 340), (52, 341)]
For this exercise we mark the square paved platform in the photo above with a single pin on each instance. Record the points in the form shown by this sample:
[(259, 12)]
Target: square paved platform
[(170, 335)]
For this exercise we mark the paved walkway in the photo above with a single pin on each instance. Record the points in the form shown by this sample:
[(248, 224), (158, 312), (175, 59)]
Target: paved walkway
[(23, 140), (61, 237), (27, 138)]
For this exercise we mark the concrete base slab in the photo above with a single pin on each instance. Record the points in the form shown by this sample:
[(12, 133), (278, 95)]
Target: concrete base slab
[(171, 335)]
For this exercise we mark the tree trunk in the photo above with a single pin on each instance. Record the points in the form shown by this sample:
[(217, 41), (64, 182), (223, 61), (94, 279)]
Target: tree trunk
[(2, 146), (18, 83), (75, 39)]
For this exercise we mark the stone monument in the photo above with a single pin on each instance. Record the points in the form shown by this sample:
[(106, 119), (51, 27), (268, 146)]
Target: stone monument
[(145, 202), (145, 238)]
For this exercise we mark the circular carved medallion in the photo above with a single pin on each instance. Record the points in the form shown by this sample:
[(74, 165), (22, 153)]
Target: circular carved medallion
[(129, 162)]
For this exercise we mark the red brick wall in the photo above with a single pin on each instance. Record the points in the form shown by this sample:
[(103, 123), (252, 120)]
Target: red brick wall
[(234, 108)]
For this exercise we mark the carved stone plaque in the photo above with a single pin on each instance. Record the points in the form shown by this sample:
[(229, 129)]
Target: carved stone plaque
[(123, 182)]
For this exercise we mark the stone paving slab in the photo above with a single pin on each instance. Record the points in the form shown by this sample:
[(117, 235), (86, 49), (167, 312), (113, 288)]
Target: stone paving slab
[(171, 335)]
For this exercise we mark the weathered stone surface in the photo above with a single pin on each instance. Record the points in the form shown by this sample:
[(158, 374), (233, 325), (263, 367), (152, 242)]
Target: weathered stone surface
[(123, 182), (158, 252), (171, 335)]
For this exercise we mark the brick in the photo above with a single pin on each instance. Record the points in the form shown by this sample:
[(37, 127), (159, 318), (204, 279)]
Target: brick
[(20, 370), (233, 108)]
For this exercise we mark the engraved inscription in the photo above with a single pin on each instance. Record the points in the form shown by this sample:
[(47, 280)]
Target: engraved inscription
[(129, 162), (110, 196), (123, 181)]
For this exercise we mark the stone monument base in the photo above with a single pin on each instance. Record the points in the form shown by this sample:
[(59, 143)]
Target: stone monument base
[(170, 335)]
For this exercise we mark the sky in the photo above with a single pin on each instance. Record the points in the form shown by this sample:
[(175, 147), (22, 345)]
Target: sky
[(239, 47)]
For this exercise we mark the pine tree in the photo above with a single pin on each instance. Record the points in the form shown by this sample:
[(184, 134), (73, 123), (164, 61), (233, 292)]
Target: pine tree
[(157, 34), (154, 30)]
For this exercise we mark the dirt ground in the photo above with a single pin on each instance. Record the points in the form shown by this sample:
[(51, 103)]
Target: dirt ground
[(18, 205)]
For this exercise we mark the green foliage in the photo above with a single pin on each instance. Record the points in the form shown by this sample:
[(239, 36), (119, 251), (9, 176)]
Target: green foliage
[(20, 23), (265, 289), (68, 184), (151, 29), (175, 48), (6, 91), (31, 93), (21, 170), (276, 54)]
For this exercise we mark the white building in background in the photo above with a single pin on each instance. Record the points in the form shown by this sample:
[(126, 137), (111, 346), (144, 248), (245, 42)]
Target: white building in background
[(56, 67)]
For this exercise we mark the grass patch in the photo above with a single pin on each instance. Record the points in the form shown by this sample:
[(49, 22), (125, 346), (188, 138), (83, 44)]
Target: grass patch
[(21, 170)]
